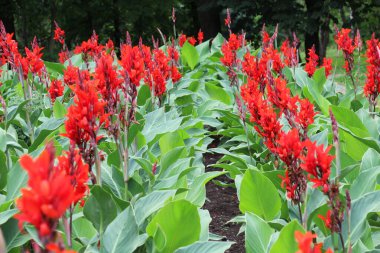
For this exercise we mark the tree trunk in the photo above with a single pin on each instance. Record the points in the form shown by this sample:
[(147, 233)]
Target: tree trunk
[(116, 23), (324, 39), (209, 18), (53, 14), (312, 30)]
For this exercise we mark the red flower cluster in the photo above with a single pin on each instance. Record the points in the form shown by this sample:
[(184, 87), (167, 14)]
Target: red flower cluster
[(9, 49), (312, 62), (372, 85), (33, 62), (290, 55), (50, 190), (55, 89), (305, 243), (269, 99), (85, 117), (327, 64), (90, 48), (108, 82), (132, 62), (183, 38), (229, 58), (59, 34), (200, 37), (347, 45)]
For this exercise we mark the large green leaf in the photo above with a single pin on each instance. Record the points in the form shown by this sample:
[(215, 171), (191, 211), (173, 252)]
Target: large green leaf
[(12, 235), (100, 208), (159, 122), (217, 93), (44, 130), (197, 192), (149, 204), (286, 242), (349, 120), (257, 234), (175, 225), (122, 235), (17, 178), (259, 195), (360, 208), (169, 141), (319, 78), (205, 247), (189, 55)]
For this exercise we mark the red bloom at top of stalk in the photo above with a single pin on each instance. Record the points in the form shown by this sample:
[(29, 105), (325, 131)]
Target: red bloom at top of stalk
[(227, 20), (312, 62), (305, 243), (344, 41), (132, 62), (306, 113), (89, 48), (9, 48), (192, 40), (48, 195), (288, 52), (86, 115), (55, 89), (317, 162), (108, 81), (33, 58), (229, 49), (327, 219), (327, 64), (59, 34), (200, 36), (372, 84)]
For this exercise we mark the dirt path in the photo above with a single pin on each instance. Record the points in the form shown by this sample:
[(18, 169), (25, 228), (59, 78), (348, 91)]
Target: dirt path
[(223, 205)]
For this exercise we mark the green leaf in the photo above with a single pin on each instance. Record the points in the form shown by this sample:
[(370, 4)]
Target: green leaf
[(319, 79), (44, 130), (257, 234), (169, 141), (205, 247), (122, 235), (197, 192), (259, 195), (100, 208), (150, 203), (12, 235), (113, 178), (54, 68), (217, 93), (349, 120), (6, 215), (159, 122), (3, 170), (59, 110), (14, 110), (17, 178), (370, 160), (189, 55), (143, 95), (286, 242), (179, 221), (360, 208)]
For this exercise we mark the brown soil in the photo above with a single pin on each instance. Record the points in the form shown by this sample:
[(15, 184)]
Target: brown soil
[(223, 205)]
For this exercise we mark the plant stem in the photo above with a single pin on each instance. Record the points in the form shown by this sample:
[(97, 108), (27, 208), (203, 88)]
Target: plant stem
[(97, 164), (300, 212), (342, 241), (28, 122)]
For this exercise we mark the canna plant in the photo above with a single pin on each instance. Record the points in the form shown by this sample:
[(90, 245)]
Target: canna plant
[(120, 145)]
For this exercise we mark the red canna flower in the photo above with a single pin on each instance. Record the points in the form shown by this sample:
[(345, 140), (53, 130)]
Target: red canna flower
[(55, 89), (9, 49), (63, 56), (200, 37), (312, 62), (89, 48), (73, 75), (33, 58), (182, 39), (347, 45), (327, 219), (327, 64), (305, 243), (56, 248), (108, 82), (192, 40), (289, 147), (59, 34), (48, 194), (132, 62), (317, 162), (372, 84)]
